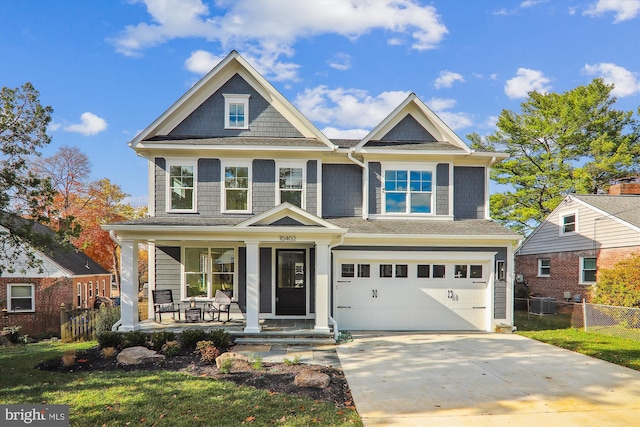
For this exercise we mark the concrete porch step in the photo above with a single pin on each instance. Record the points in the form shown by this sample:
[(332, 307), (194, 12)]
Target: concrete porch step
[(273, 340)]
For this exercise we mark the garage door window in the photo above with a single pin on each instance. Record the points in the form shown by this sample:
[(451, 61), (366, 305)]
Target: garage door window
[(386, 270), (460, 271), (475, 271), (364, 270), (402, 270), (348, 270), (438, 271), (424, 270)]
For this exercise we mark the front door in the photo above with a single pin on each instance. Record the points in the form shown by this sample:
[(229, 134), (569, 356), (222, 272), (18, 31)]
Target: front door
[(291, 282)]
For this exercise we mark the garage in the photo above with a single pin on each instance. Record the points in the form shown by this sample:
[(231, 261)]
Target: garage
[(413, 290)]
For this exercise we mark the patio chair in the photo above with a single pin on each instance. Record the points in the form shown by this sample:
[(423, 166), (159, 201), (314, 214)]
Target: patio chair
[(221, 304), (163, 303)]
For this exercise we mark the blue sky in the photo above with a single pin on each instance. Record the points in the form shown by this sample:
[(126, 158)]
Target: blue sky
[(109, 68)]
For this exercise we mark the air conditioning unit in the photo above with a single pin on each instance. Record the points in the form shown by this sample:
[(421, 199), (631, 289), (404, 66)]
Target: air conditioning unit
[(542, 305)]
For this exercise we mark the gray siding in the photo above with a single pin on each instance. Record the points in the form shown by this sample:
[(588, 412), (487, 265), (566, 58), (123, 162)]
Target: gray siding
[(160, 186), (208, 119), (264, 185), (209, 187), (408, 129), (265, 280), (168, 269), (375, 188), (468, 192), (341, 190), (442, 189), (500, 300), (312, 187)]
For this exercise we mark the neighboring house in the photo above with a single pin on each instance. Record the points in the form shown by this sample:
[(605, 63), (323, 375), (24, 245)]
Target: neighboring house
[(585, 233), (389, 232), (32, 296)]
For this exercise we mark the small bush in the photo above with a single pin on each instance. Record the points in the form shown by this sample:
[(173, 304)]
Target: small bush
[(295, 361), (220, 338), (110, 339), (158, 339), (107, 317), (208, 352), (13, 333), (171, 348), (190, 337), (134, 339), (109, 352), (257, 363), (69, 358), (226, 366)]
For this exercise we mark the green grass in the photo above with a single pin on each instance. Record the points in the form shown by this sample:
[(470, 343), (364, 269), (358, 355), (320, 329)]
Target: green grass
[(159, 398), (556, 330)]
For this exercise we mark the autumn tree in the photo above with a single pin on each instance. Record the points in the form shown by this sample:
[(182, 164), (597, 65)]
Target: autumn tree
[(560, 143), (23, 132)]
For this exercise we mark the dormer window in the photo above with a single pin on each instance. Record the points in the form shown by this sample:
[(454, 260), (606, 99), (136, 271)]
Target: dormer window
[(236, 111)]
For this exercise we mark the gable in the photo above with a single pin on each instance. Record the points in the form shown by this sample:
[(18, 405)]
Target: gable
[(287, 221), (408, 129), (207, 120)]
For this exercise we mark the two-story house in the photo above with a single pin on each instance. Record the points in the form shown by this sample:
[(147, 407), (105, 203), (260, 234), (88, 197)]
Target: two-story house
[(390, 232)]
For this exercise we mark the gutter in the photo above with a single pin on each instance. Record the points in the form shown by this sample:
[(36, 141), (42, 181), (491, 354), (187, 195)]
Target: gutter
[(365, 183)]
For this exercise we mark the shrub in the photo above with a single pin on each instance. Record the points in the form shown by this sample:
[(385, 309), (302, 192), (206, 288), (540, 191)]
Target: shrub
[(134, 339), (109, 352), (69, 358), (107, 317), (226, 366), (190, 337), (619, 285), (208, 352), (13, 333), (158, 339), (295, 361), (257, 363), (220, 338), (171, 348), (110, 339)]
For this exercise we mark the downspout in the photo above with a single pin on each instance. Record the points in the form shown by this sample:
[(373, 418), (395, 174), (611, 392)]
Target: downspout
[(365, 183), (334, 322), (115, 239)]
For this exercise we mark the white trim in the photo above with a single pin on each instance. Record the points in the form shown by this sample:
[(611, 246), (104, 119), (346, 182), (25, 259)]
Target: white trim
[(408, 167), (9, 296), (561, 224), (582, 269), (169, 162), (540, 266), (151, 187), (242, 163), (209, 273), (319, 188), (240, 99), (293, 164)]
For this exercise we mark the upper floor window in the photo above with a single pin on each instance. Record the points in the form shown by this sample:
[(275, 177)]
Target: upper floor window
[(236, 189), (181, 186), (236, 111), (408, 191), (291, 185), (20, 297), (568, 223), (588, 270)]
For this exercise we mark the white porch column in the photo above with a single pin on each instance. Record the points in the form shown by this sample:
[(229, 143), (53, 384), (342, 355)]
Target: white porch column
[(129, 285), (322, 286), (253, 287)]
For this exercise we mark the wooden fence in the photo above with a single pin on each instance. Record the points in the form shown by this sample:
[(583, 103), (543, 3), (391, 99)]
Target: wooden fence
[(78, 324)]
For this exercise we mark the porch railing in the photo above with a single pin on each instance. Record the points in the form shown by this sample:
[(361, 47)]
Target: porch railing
[(77, 324)]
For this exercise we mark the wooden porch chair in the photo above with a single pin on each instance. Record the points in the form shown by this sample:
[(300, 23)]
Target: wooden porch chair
[(221, 304), (163, 303)]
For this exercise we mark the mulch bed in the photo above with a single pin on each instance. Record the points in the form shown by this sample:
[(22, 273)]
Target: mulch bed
[(274, 377)]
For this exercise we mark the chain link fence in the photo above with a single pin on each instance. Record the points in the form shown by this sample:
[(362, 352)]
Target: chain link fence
[(623, 322)]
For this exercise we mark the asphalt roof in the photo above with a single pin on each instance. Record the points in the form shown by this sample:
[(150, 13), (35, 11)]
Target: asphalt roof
[(624, 207), (240, 140)]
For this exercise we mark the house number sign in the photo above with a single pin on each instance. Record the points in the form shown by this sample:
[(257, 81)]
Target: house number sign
[(287, 238)]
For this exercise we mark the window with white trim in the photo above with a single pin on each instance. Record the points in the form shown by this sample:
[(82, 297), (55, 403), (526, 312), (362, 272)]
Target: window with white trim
[(207, 270), (291, 184), (20, 297), (588, 270), (236, 188), (568, 223), (236, 111), (408, 191), (181, 186), (544, 267)]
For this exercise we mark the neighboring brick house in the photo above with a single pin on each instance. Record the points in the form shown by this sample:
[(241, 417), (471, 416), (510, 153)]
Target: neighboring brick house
[(390, 232), (32, 298), (584, 234)]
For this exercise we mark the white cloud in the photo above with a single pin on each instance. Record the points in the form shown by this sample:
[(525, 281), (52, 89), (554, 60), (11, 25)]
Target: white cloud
[(453, 120), (201, 61), (335, 133), (340, 61), (90, 124), (53, 126), (137, 201), (624, 9), (531, 3), (525, 81), (447, 78), (268, 30), (347, 108), (624, 82)]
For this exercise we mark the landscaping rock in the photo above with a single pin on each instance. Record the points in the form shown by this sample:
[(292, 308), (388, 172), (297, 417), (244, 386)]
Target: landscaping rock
[(309, 378), (137, 355), (238, 361)]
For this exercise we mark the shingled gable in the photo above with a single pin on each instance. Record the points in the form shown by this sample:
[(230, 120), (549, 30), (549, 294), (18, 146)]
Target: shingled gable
[(290, 215), (411, 112), (227, 69)]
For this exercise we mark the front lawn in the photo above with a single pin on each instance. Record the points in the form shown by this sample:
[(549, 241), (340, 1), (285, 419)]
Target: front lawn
[(159, 398), (556, 330)]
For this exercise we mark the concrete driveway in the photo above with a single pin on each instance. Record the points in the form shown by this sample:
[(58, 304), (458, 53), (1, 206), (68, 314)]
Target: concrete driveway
[(484, 380)]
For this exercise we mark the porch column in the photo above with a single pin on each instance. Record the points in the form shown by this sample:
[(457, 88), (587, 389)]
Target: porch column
[(253, 287), (322, 286), (129, 285)]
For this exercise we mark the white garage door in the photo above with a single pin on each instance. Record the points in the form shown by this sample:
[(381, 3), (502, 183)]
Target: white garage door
[(411, 295)]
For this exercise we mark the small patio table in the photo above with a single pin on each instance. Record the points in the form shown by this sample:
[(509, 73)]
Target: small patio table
[(193, 314)]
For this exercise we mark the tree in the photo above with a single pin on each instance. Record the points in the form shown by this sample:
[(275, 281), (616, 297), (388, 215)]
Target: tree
[(619, 285), (572, 142), (23, 131)]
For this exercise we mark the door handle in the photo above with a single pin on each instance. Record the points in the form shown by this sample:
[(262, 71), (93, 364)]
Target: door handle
[(374, 293)]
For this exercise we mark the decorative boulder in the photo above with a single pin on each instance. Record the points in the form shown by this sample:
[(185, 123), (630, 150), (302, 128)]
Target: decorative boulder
[(309, 378), (137, 355), (238, 361)]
